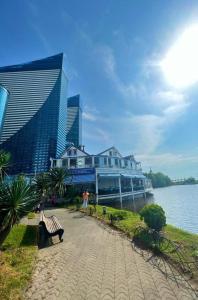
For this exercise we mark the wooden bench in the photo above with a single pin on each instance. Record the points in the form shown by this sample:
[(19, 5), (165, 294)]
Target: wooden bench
[(50, 226)]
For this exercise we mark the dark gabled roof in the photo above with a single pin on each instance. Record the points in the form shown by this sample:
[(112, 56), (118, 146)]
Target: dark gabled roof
[(48, 63), (108, 150), (72, 146), (132, 156), (129, 156)]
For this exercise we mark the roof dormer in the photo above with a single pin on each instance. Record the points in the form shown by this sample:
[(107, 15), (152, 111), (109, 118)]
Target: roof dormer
[(111, 152)]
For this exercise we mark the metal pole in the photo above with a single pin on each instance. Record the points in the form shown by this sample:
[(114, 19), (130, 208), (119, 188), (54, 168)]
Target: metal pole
[(68, 162), (144, 190), (133, 195), (96, 187), (92, 161), (120, 191)]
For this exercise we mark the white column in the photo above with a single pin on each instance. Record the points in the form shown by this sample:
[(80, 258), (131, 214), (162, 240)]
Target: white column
[(59, 163), (120, 191), (144, 190), (92, 161), (133, 194), (96, 187)]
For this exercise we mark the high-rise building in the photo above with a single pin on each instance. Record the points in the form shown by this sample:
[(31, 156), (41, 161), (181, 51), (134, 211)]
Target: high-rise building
[(4, 94), (34, 127), (74, 121)]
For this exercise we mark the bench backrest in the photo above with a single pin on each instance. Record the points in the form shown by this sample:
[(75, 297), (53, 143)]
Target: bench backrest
[(51, 223)]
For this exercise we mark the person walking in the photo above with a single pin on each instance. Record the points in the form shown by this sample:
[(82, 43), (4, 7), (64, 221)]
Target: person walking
[(85, 199)]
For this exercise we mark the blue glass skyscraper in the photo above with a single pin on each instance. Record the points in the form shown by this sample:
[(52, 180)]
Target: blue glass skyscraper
[(74, 121), (34, 126), (4, 94)]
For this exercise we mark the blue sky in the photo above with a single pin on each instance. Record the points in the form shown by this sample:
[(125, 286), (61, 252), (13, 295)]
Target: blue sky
[(112, 52)]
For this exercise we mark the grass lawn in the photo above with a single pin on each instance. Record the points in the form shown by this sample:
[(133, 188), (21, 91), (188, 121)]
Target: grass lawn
[(31, 215), (17, 257)]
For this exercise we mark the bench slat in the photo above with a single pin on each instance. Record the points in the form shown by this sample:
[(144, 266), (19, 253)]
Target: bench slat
[(52, 224)]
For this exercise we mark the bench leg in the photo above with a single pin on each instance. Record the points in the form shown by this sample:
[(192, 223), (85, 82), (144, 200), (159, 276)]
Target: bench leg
[(60, 236), (42, 237)]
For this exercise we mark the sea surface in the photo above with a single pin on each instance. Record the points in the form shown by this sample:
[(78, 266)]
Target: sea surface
[(180, 204)]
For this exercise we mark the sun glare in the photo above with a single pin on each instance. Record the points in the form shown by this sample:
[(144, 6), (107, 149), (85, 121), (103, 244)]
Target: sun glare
[(180, 64)]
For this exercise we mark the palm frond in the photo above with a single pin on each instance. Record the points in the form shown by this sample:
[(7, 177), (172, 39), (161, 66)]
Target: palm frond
[(16, 200), (57, 178)]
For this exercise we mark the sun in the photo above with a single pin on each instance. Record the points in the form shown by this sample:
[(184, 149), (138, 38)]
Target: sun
[(180, 64)]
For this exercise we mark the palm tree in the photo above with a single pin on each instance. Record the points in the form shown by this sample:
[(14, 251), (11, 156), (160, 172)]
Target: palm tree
[(16, 200), (41, 185), (4, 162), (57, 178)]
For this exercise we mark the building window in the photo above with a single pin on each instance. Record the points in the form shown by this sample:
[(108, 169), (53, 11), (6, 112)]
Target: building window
[(105, 161), (65, 163), (110, 153), (109, 162), (69, 153), (88, 161), (75, 152), (54, 163), (116, 162), (126, 163), (96, 161), (73, 163)]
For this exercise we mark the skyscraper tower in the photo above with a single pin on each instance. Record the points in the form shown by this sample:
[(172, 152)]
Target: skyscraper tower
[(74, 121), (34, 127)]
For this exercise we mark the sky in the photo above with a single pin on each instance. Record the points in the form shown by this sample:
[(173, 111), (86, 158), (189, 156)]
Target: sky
[(129, 61)]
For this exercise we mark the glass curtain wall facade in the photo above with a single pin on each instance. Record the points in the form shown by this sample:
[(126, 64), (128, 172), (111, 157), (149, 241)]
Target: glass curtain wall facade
[(34, 126), (74, 121), (3, 104)]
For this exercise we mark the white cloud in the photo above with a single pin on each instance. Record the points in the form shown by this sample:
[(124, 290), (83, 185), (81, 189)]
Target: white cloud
[(168, 161), (150, 128), (42, 37), (98, 135), (89, 116), (92, 114), (103, 135), (109, 64), (149, 131), (170, 96), (33, 8)]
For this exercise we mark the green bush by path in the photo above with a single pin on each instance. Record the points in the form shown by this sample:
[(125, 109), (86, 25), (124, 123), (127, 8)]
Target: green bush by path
[(17, 257), (154, 216), (31, 215), (127, 221)]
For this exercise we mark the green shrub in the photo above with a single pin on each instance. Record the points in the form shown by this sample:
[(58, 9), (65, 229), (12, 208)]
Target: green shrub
[(71, 194), (117, 216), (154, 216), (121, 215), (31, 215), (78, 202)]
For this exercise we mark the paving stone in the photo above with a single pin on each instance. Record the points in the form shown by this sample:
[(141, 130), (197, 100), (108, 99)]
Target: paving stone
[(95, 262)]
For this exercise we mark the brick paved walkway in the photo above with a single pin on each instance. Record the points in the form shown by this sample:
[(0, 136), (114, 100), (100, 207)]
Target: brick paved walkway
[(93, 263)]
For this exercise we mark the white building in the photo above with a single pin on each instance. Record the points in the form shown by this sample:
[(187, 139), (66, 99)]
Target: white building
[(109, 175)]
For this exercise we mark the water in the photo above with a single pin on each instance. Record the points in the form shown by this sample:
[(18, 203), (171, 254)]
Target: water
[(180, 204)]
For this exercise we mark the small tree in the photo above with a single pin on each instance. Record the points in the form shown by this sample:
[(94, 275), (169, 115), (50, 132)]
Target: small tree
[(41, 185), (154, 216), (17, 199), (78, 202), (57, 177)]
